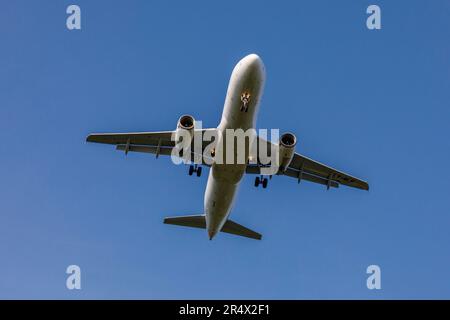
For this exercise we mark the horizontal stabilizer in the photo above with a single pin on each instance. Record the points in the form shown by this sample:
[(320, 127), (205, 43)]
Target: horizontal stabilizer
[(239, 230), (198, 221)]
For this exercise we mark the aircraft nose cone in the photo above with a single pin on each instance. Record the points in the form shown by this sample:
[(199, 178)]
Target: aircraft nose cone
[(252, 58), (254, 62)]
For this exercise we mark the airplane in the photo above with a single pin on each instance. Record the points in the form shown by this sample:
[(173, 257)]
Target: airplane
[(240, 112)]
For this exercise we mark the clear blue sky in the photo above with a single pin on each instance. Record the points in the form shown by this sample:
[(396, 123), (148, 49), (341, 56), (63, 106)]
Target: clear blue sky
[(371, 103)]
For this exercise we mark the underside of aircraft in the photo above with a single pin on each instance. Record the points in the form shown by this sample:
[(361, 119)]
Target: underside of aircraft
[(240, 113)]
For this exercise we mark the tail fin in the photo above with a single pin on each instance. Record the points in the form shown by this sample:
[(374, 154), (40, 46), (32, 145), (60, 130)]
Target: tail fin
[(198, 221)]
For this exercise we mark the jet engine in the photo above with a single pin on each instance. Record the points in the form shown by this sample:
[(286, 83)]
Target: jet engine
[(286, 150), (185, 129)]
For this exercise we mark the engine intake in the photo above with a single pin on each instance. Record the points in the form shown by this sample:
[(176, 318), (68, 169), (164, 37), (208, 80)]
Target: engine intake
[(185, 129), (186, 122), (286, 150)]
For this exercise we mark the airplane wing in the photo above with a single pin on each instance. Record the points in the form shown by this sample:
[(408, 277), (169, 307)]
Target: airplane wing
[(158, 142), (163, 138), (301, 164), (304, 168)]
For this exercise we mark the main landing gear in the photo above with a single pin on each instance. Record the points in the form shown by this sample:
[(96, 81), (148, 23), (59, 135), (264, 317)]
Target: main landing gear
[(195, 168), (261, 180)]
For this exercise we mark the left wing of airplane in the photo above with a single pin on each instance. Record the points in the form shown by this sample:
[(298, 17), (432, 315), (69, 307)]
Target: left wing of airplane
[(159, 142), (149, 142), (161, 138)]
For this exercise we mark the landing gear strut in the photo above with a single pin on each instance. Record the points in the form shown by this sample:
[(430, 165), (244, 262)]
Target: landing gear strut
[(261, 180), (245, 99), (195, 168)]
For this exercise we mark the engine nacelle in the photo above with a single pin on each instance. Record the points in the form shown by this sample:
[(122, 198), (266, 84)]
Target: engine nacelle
[(185, 130), (286, 150)]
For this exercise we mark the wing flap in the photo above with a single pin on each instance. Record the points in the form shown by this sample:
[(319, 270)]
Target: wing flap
[(166, 151), (254, 169), (310, 177)]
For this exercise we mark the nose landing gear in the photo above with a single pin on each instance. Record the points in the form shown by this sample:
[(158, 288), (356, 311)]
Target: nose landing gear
[(245, 99), (195, 168), (261, 180)]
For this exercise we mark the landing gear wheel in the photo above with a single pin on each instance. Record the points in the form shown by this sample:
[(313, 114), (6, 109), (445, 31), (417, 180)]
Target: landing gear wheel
[(191, 170), (199, 171), (264, 183), (245, 99), (244, 108), (257, 181)]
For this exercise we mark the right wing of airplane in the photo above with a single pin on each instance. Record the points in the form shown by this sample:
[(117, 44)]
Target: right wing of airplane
[(304, 168), (322, 173)]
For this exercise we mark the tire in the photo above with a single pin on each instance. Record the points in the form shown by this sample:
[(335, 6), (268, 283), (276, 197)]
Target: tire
[(257, 181), (199, 171), (191, 170), (264, 183)]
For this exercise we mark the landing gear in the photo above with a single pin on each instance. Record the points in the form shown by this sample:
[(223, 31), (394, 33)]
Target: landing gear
[(195, 168), (244, 108), (264, 182), (245, 99), (261, 180)]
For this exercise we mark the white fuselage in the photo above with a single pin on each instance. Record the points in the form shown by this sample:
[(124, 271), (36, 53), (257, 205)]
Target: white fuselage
[(248, 77)]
